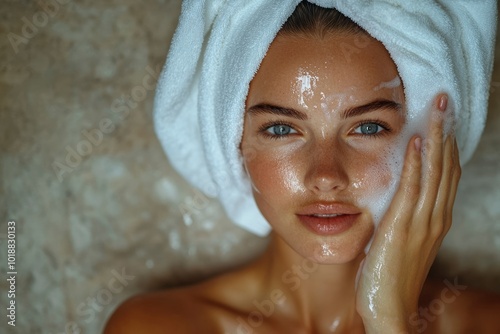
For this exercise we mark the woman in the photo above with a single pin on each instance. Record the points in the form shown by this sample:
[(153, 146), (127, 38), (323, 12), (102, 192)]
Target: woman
[(320, 127)]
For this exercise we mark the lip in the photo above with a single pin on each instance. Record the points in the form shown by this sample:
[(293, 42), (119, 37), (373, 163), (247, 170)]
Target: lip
[(328, 218)]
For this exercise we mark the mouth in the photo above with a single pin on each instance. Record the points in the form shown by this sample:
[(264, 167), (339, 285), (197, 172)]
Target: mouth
[(328, 224), (320, 215), (328, 218)]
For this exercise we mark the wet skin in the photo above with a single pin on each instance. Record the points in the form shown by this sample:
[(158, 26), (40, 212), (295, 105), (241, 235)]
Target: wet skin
[(312, 157), (334, 150)]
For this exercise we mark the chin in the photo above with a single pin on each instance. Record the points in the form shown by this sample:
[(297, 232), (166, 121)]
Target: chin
[(334, 248), (334, 252), (344, 248)]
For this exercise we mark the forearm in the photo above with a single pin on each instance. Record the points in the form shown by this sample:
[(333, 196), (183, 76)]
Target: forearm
[(394, 324)]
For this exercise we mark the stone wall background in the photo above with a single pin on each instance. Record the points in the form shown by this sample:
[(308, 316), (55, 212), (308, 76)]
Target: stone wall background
[(109, 225)]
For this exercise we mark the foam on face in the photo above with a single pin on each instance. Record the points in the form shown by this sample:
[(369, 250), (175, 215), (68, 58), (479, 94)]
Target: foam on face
[(417, 123), (394, 83)]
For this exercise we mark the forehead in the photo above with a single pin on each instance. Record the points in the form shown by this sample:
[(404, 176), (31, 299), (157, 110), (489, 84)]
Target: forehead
[(336, 65)]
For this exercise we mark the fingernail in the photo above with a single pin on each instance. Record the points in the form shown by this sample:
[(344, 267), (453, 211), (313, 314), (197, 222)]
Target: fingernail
[(418, 143), (443, 103)]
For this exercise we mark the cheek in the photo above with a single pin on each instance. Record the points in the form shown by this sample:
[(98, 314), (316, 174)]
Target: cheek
[(371, 174), (377, 182), (273, 174), (368, 164)]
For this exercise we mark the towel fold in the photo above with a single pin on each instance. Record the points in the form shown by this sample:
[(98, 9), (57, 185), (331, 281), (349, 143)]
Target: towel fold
[(437, 45)]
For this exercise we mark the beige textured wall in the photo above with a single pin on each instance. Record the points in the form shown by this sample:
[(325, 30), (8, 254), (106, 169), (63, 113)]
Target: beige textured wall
[(109, 223)]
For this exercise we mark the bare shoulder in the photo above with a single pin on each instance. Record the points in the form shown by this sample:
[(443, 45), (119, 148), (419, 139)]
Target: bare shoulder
[(448, 306), (206, 307), (168, 311)]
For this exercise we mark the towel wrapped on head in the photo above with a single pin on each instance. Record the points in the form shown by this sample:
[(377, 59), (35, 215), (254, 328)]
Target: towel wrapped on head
[(437, 46)]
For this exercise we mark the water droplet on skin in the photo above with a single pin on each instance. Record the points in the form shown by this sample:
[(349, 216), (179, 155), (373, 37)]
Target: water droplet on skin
[(335, 324), (306, 83), (326, 251)]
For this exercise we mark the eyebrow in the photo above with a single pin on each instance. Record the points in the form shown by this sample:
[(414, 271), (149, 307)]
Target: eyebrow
[(372, 106), (266, 108)]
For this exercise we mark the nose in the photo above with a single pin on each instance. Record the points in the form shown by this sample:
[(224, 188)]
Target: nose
[(327, 169)]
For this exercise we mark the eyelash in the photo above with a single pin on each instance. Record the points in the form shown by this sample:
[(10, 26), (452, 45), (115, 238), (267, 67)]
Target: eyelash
[(263, 129), (378, 122)]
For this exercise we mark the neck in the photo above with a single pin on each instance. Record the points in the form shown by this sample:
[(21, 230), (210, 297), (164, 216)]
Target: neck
[(321, 295)]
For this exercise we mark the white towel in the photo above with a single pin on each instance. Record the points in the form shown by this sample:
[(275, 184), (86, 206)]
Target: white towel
[(437, 45)]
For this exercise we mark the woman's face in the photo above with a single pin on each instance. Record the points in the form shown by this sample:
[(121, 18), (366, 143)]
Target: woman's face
[(321, 118)]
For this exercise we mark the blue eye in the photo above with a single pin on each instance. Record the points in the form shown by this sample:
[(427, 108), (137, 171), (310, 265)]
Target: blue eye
[(369, 129), (279, 130)]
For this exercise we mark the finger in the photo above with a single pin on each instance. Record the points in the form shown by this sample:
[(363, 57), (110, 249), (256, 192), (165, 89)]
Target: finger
[(457, 173), (408, 192), (441, 215), (433, 159)]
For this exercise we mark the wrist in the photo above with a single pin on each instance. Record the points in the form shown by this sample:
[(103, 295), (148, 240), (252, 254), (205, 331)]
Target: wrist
[(388, 324)]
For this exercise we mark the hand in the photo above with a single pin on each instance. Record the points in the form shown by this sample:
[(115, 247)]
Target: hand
[(410, 233)]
